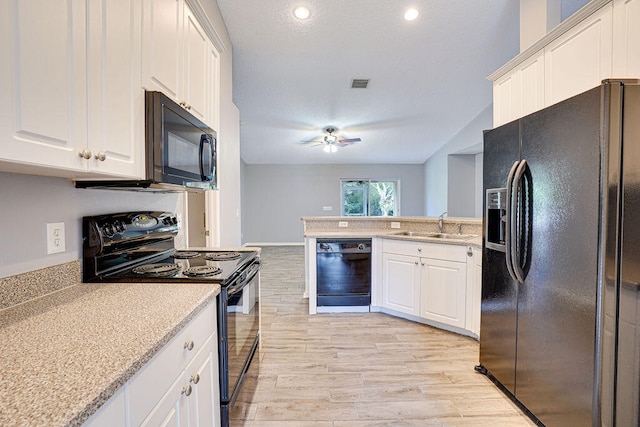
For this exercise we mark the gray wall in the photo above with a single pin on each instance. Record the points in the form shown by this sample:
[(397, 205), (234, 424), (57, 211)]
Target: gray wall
[(275, 197), (30, 202), (436, 168), (461, 185)]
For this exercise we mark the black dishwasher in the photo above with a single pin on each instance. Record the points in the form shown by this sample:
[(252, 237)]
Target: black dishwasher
[(343, 272)]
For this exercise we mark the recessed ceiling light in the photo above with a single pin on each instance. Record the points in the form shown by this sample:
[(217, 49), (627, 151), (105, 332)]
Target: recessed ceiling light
[(301, 12), (411, 14)]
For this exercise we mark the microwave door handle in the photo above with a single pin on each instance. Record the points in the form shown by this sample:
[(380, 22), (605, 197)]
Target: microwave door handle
[(509, 214), (203, 140)]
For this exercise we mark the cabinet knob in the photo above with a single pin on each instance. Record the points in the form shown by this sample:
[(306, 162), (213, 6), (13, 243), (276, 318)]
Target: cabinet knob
[(185, 105), (101, 156), (189, 345), (422, 263), (85, 154), (416, 263), (469, 251), (419, 249), (186, 390), (194, 379)]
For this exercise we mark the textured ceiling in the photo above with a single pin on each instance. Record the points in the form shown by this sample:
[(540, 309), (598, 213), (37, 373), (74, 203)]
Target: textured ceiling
[(428, 77)]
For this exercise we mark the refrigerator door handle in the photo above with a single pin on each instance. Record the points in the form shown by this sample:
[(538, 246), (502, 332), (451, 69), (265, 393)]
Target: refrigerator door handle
[(508, 214), (515, 262)]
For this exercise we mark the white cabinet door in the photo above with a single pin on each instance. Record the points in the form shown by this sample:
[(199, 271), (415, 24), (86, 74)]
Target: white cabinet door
[(162, 46), (43, 81), (579, 59), (116, 98), (213, 91), (401, 283), (505, 108), (626, 35), (443, 290), (202, 375), (171, 410), (112, 413), (196, 76)]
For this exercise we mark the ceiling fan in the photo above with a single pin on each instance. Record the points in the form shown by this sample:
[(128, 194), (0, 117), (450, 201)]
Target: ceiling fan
[(331, 141)]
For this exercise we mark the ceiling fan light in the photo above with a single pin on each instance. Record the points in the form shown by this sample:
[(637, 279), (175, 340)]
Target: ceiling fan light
[(411, 14), (327, 148), (301, 12)]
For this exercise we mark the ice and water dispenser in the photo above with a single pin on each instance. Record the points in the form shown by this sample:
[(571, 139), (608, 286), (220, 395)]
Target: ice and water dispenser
[(496, 218)]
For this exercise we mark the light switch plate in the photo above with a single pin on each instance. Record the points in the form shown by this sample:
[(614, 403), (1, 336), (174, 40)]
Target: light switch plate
[(55, 237), (327, 208)]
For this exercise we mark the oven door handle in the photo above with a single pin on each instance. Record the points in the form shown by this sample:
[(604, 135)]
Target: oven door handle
[(244, 279)]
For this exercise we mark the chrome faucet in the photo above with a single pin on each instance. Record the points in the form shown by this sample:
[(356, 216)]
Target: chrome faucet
[(440, 218)]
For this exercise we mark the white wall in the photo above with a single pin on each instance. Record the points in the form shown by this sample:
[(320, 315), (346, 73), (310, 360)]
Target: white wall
[(30, 202), (436, 167), (461, 185), (275, 197), (229, 205)]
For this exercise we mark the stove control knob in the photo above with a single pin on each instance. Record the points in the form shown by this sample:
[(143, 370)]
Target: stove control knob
[(189, 345)]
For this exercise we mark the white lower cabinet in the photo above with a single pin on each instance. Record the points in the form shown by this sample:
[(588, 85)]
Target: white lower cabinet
[(179, 386), (427, 281), (190, 398), (443, 286), (401, 283)]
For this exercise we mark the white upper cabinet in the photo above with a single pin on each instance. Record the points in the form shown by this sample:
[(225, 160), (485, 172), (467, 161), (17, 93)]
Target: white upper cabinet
[(176, 58), (593, 45), (43, 79), (580, 59), (626, 34), (519, 92), (73, 105), (116, 97)]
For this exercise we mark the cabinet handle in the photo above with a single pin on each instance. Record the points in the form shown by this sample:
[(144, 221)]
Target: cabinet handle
[(189, 345), (101, 156), (85, 154), (194, 379), (186, 390)]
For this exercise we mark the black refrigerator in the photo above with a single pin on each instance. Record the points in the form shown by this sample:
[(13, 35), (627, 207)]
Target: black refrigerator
[(560, 325)]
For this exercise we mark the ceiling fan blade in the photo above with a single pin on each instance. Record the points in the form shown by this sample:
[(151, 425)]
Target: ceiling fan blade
[(316, 140), (350, 140), (341, 144), (315, 145)]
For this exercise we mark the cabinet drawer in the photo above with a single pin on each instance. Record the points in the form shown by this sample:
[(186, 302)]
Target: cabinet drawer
[(425, 250), (149, 384)]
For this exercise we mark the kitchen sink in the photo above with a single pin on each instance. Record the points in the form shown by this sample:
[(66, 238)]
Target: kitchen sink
[(421, 234)]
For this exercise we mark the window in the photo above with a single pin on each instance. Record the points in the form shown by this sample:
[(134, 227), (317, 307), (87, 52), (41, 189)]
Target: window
[(366, 197)]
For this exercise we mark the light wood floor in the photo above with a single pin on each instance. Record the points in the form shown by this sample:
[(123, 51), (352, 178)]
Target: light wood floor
[(357, 370)]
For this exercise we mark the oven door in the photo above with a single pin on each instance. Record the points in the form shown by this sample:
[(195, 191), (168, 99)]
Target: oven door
[(239, 329)]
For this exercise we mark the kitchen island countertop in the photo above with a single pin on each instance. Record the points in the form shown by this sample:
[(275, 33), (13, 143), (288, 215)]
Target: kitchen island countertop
[(65, 354)]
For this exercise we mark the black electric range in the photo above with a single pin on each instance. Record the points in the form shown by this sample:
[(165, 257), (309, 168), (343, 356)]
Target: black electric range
[(139, 247)]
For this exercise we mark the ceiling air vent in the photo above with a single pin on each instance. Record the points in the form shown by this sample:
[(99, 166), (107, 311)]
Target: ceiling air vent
[(359, 83)]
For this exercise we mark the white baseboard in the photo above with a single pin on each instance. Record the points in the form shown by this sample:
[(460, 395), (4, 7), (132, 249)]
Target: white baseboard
[(275, 244)]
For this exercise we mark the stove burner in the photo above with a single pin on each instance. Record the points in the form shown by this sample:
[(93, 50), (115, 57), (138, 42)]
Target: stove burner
[(202, 271), (222, 256), (186, 254), (157, 270)]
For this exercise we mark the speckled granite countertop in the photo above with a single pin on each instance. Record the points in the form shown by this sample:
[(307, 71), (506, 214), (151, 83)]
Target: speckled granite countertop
[(65, 354)]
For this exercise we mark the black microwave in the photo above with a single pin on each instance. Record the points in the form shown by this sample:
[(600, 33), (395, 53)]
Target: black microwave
[(180, 149)]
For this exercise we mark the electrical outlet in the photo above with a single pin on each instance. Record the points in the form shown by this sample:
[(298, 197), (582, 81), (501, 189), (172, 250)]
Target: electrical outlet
[(343, 224), (395, 224), (55, 237)]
